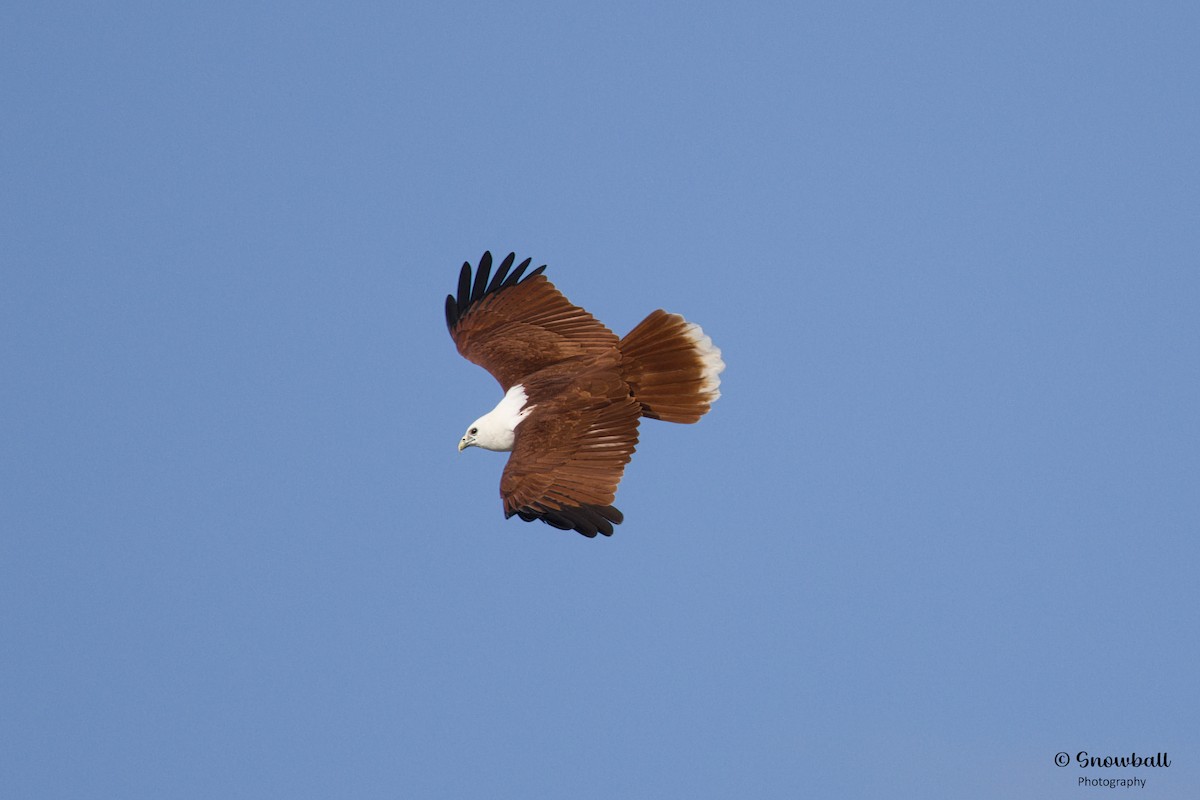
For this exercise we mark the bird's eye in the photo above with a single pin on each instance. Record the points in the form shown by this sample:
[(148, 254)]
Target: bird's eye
[(473, 431)]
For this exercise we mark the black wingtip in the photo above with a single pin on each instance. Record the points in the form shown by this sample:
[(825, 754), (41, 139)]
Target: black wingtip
[(473, 289), (498, 278), (588, 520), (464, 286), (482, 273)]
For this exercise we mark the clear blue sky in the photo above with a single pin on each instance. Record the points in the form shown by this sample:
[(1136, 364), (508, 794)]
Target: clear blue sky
[(942, 525)]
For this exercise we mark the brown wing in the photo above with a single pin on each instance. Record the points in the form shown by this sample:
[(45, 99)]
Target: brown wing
[(570, 453), (513, 327)]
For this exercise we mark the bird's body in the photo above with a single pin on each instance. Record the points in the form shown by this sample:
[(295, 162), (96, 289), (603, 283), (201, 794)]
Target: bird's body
[(574, 393)]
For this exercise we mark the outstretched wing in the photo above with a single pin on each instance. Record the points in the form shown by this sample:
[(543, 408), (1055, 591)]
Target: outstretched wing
[(570, 453), (513, 327)]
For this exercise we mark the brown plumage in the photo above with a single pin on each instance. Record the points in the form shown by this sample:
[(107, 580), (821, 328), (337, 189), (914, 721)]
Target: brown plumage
[(573, 392)]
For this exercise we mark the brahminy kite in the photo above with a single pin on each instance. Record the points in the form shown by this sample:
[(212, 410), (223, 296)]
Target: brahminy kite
[(573, 392)]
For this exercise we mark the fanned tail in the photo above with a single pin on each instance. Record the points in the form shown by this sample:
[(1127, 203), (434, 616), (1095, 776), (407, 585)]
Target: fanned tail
[(672, 366)]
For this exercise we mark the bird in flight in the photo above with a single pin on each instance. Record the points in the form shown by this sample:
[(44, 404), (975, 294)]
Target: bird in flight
[(573, 392)]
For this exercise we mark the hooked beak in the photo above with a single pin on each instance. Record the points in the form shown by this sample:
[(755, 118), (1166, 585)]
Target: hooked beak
[(463, 444)]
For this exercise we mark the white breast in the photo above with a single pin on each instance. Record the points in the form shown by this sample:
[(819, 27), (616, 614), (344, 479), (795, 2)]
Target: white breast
[(497, 428)]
